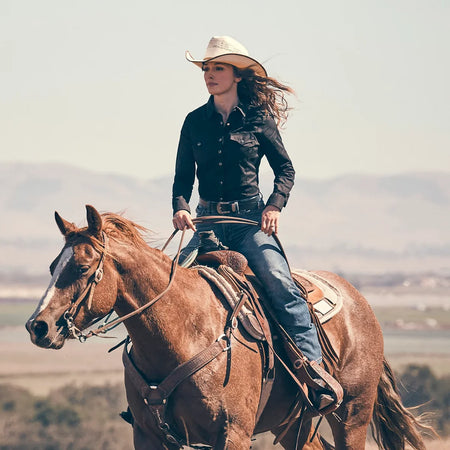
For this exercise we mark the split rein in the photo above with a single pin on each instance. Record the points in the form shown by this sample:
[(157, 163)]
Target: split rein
[(88, 292)]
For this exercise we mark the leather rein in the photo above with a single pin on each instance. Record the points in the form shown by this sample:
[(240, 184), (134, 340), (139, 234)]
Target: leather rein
[(88, 292)]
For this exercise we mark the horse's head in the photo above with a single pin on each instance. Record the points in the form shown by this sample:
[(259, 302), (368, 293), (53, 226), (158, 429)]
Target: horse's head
[(69, 304)]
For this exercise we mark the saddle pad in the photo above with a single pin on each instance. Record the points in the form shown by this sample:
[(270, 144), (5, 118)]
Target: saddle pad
[(326, 305)]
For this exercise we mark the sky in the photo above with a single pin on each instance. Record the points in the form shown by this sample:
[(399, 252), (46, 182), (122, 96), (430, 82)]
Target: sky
[(104, 85)]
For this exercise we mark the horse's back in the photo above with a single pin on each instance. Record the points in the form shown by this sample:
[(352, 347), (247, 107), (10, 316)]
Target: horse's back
[(356, 337)]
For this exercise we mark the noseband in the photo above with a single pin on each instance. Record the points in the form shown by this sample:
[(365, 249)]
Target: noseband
[(88, 293)]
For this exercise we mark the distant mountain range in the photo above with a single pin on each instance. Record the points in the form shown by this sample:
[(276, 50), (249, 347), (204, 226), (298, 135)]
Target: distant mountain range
[(353, 223)]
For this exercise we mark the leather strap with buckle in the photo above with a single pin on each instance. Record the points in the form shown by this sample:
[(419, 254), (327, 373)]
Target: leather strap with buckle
[(231, 206)]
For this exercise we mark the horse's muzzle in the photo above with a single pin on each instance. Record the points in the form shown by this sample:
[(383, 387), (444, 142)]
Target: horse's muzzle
[(46, 336)]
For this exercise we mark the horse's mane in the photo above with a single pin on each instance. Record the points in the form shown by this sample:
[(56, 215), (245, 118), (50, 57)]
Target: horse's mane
[(116, 227), (121, 229)]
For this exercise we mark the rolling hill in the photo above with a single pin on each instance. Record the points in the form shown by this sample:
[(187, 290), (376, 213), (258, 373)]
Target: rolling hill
[(357, 223)]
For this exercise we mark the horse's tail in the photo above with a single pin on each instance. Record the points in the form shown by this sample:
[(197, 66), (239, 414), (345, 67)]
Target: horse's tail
[(392, 424)]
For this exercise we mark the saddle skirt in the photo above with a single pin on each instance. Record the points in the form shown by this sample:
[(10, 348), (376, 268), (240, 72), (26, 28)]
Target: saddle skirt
[(220, 277), (325, 298)]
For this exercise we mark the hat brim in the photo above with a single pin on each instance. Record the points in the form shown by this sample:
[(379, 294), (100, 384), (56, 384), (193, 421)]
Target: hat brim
[(235, 59)]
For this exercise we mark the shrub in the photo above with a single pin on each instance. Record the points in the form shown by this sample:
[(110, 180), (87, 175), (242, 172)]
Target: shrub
[(420, 387), (69, 418)]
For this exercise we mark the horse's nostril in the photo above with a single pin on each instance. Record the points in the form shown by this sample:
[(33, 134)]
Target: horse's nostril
[(40, 329)]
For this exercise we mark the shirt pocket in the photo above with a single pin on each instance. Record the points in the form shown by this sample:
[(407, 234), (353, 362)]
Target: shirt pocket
[(244, 139), (201, 153)]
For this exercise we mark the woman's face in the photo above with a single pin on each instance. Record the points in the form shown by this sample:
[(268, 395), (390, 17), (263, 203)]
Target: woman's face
[(220, 78)]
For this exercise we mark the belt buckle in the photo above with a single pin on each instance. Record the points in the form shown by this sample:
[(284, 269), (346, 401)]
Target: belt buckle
[(219, 208), (232, 207)]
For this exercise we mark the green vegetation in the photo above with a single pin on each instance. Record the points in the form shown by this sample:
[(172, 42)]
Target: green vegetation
[(68, 418), (419, 386), (84, 418), (16, 313), (430, 318)]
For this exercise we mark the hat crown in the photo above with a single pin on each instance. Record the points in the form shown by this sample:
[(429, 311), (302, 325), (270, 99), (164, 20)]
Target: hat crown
[(225, 49), (223, 45)]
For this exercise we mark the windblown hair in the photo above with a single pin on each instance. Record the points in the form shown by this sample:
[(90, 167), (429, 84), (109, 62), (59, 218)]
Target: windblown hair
[(266, 93)]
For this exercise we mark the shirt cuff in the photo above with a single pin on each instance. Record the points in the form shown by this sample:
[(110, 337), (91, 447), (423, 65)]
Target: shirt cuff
[(179, 203), (277, 200)]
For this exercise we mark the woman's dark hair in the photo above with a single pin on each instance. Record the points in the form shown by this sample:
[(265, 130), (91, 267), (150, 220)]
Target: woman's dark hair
[(266, 93)]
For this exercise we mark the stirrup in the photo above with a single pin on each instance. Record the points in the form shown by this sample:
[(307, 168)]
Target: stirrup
[(189, 258), (325, 393)]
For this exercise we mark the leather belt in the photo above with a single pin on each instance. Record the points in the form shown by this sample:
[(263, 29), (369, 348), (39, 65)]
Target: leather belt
[(232, 206)]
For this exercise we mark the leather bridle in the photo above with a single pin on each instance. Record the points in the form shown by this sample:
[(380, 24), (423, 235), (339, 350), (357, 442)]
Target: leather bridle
[(87, 293)]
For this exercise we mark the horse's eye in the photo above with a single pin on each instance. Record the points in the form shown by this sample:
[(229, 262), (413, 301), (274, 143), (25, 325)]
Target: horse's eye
[(82, 270)]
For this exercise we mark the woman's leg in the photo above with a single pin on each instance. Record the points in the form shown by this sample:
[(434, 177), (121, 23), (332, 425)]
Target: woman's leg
[(269, 265), (196, 239)]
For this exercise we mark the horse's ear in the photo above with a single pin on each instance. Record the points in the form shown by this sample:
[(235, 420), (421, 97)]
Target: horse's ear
[(64, 226), (94, 221)]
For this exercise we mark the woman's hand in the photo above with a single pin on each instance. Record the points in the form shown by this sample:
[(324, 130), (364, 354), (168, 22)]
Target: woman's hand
[(182, 220), (269, 219)]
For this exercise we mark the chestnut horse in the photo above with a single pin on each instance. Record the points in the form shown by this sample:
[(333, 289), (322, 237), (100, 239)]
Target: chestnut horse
[(217, 405)]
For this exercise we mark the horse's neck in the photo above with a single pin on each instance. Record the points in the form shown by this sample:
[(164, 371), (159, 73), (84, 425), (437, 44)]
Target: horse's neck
[(164, 334)]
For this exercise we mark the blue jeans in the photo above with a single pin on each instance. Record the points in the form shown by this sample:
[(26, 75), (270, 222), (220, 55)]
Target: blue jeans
[(270, 267)]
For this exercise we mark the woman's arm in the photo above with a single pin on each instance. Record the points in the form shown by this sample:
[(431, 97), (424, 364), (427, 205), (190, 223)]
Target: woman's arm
[(269, 219), (278, 158), (273, 147), (184, 172), (182, 220)]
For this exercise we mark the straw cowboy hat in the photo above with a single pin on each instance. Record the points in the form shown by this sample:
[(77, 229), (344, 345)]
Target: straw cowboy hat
[(227, 50)]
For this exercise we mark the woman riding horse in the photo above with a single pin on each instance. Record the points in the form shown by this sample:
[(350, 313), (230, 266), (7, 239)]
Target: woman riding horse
[(175, 319), (223, 142)]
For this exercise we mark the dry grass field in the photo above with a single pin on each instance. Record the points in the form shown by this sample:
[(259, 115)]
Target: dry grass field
[(265, 443), (41, 371)]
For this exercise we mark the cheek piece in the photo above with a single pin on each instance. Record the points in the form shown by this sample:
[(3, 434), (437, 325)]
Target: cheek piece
[(88, 292)]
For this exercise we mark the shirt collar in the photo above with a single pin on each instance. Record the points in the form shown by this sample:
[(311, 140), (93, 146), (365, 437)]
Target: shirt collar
[(210, 110)]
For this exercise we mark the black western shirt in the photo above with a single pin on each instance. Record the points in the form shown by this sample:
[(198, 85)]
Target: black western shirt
[(226, 157)]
